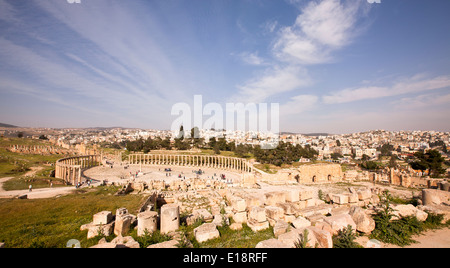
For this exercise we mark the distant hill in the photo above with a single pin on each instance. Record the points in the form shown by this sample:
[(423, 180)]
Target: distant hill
[(6, 125), (316, 134), (305, 134)]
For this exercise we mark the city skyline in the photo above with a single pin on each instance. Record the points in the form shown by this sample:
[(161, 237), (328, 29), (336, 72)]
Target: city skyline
[(333, 66)]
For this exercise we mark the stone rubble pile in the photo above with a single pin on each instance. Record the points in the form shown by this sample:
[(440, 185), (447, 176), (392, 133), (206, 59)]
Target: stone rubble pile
[(291, 213)]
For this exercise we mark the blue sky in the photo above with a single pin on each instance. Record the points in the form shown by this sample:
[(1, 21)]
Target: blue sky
[(333, 66)]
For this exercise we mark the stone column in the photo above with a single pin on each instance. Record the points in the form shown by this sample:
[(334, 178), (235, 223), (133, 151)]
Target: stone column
[(170, 218), (147, 221)]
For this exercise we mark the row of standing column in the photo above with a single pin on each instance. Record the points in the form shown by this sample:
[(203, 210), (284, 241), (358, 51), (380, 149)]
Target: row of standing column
[(69, 169), (191, 160)]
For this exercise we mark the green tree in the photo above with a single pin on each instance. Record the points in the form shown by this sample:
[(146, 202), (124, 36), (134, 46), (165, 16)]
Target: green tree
[(431, 161)]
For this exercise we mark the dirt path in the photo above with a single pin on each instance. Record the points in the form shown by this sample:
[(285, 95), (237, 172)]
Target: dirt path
[(439, 238), (36, 193)]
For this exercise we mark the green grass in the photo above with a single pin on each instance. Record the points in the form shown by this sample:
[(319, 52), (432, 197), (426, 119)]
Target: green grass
[(244, 238), (50, 223), (16, 165)]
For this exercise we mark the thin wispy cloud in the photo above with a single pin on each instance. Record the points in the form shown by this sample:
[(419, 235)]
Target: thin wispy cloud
[(413, 84)]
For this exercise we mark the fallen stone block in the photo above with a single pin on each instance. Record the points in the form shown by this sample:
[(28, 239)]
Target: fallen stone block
[(323, 209), (236, 226), (340, 222), (238, 204), (98, 229), (127, 241), (271, 243), (166, 244), (352, 198), (122, 224), (295, 236), (257, 226), (324, 238), (206, 232), (220, 219), (275, 213), (103, 217), (280, 228), (292, 195), (273, 198), (340, 199), (364, 194), (301, 223), (257, 214), (240, 217), (288, 208), (305, 194), (364, 222), (409, 210)]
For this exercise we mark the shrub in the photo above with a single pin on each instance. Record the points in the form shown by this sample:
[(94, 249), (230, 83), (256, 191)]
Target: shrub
[(345, 238), (400, 232)]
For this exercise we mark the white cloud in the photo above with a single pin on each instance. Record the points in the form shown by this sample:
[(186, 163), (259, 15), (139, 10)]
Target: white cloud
[(320, 29), (413, 84), (298, 104), (273, 81), (270, 26), (422, 101), (252, 58)]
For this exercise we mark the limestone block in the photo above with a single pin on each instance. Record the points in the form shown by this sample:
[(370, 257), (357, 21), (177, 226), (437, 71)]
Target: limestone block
[(294, 236), (364, 194), (271, 243), (238, 204), (340, 199), (257, 226), (323, 237), (275, 213), (339, 222), (257, 214), (220, 219), (306, 194), (126, 242), (166, 244), (122, 224), (206, 232), (236, 226), (170, 218), (252, 201), (273, 198), (147, 221), (240, 217), (201, 214), (323, 209), (121, 211), (364, 223), (301, 223), (409, 210), (292, 195), (103, 217), (289, 218), (353, 198), (313, 202), (324, 226), (288, 208), (421, 215), (280, 228), (96, 229), (299, 205)]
